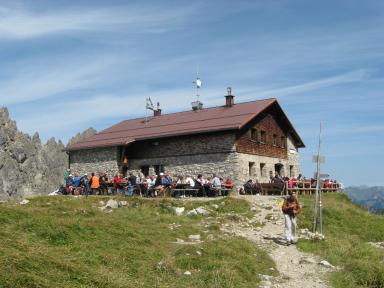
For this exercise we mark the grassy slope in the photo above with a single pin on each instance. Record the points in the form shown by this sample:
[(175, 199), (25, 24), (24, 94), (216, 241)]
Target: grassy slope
[(347, 228), (69, 242)]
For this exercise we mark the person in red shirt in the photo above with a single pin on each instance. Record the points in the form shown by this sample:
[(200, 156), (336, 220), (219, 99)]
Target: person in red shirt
[(117, 183), (228, 183), (326, 183)]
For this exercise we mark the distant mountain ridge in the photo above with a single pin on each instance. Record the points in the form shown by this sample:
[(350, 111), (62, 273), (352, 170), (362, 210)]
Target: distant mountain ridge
[(370, 197)]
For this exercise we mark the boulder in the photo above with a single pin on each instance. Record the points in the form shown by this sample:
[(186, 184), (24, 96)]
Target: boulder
[(202, 211), (112, 204), (192, 212), (326, 264), (194, 237), (179, 210)]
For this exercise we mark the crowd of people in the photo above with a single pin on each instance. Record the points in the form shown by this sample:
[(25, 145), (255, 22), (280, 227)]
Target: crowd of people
[(251, 187), (147, 186), (163, 184)]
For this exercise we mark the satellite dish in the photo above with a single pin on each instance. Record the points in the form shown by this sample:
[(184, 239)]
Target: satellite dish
[(198, 83)]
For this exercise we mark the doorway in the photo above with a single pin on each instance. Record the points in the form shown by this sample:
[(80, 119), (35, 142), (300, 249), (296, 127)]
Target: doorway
[(145, 170), (279, 169)]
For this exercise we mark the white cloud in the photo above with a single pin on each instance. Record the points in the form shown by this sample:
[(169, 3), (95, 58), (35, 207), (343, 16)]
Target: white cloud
[(22, 24), (32, 82), (350, 77)]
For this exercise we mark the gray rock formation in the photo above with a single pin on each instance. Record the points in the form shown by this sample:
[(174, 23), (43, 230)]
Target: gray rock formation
[(80, 136), (27, 166)]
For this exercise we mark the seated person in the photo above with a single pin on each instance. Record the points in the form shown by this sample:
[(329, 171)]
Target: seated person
[(117, 183), (84, 182), (277, 179), (257, 187), (69, 184), (249, 187), (129, 189), (199, 184), (228, 184), (215, 186), (181, 182), (103, 184), (200, 179), (190, 181), (166, 180), (76, 180), (159, 187)]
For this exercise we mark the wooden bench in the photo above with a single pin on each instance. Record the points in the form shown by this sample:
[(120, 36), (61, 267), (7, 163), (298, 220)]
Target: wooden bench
[(272, 188)]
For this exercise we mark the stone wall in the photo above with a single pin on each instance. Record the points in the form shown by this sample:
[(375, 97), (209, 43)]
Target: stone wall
[(183, 145), (223, 164), (293, 157), (95, 160), (190, 155)]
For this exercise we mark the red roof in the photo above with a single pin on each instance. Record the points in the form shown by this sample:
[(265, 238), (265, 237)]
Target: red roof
[(181, 123)]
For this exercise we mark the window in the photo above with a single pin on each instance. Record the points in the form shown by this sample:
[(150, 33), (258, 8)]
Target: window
[(263, 137), (282, 142), (274, 140), (254, 134), (262, 170), (251, 168), (291, 171), (159, 169)]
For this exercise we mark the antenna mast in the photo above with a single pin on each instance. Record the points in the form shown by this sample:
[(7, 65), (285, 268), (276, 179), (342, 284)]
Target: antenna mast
[(149, 106), (197, 105), (198, 84)]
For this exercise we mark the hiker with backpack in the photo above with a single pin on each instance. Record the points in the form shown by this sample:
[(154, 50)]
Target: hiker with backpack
[(291, 208)]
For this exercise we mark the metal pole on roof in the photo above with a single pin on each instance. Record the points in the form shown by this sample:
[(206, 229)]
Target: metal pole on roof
[(146, 110)]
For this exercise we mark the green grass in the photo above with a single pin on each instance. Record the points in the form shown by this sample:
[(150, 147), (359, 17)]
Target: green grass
[(70, 242), (347, 229)]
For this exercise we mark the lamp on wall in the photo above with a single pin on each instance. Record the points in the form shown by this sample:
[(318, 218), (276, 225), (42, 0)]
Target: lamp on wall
[(125, 161)]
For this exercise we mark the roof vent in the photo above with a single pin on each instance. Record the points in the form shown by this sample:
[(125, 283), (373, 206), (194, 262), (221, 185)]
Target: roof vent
[(229, 102), (197, 105)]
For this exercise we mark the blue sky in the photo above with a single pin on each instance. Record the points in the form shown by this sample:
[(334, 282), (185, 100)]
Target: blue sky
[(69, 65)]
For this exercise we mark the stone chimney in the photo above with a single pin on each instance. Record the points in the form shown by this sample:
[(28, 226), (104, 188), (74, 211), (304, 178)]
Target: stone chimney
[(229, 102), (157, 112)]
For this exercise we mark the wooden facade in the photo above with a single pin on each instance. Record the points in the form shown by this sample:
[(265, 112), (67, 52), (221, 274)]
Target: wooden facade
[(265, 137)]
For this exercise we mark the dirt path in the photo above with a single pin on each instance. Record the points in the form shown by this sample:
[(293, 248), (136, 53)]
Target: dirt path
[(296, 269)]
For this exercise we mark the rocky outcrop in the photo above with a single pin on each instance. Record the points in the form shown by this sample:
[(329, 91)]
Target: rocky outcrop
[(80, 136), (27, 166)]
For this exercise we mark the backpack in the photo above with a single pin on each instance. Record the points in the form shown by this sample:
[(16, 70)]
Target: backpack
[(62, 190)]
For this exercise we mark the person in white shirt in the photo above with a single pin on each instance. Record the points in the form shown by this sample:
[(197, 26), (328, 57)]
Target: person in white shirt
[(190, 181)]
